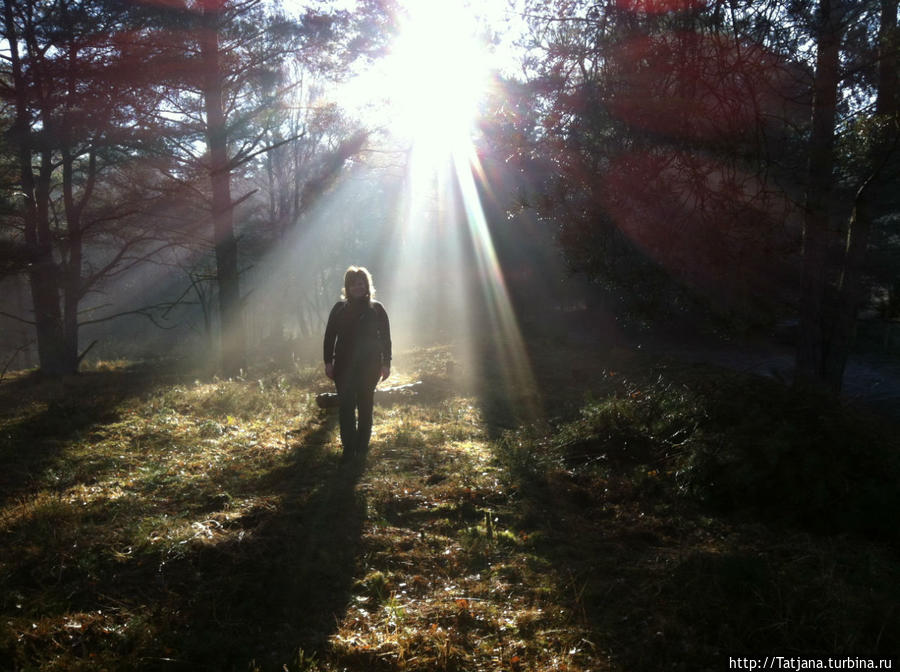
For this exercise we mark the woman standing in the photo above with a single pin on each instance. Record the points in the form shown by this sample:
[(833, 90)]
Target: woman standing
[(357, 354)]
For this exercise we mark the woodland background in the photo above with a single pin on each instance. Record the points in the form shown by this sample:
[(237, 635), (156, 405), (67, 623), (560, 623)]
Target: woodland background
[(654, 424)]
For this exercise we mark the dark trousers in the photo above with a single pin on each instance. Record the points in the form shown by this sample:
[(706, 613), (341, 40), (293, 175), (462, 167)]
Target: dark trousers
[(356, 393)]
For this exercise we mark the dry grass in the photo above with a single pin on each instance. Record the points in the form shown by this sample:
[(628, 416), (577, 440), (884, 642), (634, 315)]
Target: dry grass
[(446, 583), (150, 521)]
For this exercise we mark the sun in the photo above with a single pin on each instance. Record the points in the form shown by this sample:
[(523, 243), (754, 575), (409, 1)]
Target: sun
[(426, 90), (440, 74)]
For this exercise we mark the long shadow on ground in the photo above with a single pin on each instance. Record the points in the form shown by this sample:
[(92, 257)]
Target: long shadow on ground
[(282, 587), (40, 415), (267, 584)]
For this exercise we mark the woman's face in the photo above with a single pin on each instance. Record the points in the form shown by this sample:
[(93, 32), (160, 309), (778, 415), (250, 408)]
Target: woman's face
[(358, 288)]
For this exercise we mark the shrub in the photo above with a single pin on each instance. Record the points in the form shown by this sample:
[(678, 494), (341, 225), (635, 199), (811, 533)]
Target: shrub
[(806, 458), (733, 442)]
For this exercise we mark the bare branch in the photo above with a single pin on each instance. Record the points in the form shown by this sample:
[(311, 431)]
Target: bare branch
[(12, 358), (146, 311), (239, 160), (117, 267), (86, 351), (17, 318)]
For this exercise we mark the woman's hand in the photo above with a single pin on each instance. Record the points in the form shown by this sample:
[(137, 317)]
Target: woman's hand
[(329, 370), (385, 372)]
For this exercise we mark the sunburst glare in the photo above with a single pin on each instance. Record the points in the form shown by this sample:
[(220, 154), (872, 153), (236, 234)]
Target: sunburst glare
[(425, 91), (435, 265), (437, 78), (440, 74)]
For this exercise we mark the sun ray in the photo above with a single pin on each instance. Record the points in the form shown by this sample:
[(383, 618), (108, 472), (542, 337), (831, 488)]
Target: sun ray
[(434, 79), (507, 340), (436, 267)]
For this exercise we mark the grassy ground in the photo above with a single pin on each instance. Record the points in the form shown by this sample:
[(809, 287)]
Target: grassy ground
[(151, 521)]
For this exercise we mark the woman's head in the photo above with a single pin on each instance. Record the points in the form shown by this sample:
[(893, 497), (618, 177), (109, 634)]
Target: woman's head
[(358, 284)]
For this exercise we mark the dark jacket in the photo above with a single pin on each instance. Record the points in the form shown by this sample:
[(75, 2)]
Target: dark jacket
[(358, 334)]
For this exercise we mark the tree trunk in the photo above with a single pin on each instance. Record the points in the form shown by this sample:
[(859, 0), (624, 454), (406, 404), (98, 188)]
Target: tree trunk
[(43, 272), (865, 208), (813, 343), (71, 272), (72, 290), (232, 337), (26, 336), (274, 316), (48, 320)]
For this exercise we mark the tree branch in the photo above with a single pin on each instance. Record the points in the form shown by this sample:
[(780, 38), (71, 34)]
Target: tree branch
[(17, 318), (145, 312), (239, 160), (15, 354)]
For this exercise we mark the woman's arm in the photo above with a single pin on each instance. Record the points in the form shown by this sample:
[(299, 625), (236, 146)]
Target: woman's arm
[(384, 340), (330, 340)]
